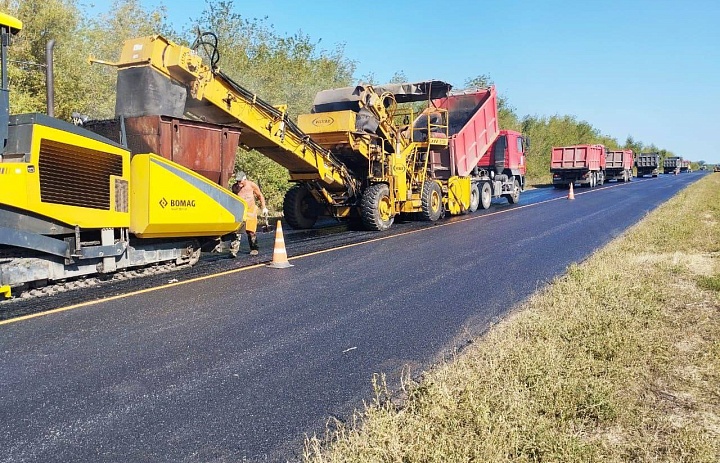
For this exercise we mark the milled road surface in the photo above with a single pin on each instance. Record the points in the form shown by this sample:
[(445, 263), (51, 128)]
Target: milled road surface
[(241, 366)]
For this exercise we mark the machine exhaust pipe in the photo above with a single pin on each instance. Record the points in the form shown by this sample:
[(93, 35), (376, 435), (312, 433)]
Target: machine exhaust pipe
[(50, 78)]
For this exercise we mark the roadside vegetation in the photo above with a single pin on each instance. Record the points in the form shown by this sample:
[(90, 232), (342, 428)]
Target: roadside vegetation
[(618, 360), (282, 69)]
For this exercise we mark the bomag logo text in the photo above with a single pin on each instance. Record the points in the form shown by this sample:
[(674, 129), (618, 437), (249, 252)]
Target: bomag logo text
[(323, 121), (177, 203), (182, 203)]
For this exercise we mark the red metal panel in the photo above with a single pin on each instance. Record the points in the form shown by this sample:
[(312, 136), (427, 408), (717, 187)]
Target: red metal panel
[(622, 159), (208, 149), (473, 126), (514, 158), (590, 157)]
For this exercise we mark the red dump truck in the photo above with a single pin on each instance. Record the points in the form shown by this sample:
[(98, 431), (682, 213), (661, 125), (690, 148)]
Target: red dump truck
[(618, 165), (494, 159), (502, 168), (647, 164), (583, 164)]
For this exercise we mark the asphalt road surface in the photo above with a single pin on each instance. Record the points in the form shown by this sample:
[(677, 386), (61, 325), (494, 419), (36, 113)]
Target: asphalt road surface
[(241, 366)]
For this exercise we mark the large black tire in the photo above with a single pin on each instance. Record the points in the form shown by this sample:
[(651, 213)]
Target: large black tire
[(300, 208), (474, 197), (376, 210), (485, 195), (514, 197), (431, 201)]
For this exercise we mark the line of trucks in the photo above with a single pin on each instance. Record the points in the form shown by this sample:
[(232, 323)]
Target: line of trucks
[(592, 165), (151, 185)]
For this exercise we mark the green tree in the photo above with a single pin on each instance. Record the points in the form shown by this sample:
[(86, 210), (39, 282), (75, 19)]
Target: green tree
[(507, 117), (281, 69), (78, 86)]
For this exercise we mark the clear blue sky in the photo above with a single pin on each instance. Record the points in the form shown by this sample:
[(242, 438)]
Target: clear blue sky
[(646, 68)]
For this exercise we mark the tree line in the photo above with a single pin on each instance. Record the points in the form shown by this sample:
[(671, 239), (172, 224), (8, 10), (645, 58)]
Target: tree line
[(281, 68)]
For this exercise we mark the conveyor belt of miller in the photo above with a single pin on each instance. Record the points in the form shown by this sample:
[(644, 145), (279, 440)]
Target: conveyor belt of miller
[(157, 76)]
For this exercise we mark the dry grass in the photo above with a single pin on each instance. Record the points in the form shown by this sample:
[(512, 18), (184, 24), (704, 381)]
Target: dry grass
[(618, 360)]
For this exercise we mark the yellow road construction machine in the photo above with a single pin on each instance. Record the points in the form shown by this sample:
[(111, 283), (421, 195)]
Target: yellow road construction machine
[(367, 152), (73, 203)]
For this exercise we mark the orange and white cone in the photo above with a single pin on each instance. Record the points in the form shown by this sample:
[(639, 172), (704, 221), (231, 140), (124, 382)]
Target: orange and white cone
[(571, 195), (280, 258)]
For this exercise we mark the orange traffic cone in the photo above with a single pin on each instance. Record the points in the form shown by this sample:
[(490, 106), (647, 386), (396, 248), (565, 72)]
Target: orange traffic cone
[(571, 195), (280, 258)]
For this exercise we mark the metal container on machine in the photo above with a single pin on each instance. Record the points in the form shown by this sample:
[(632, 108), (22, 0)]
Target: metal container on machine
[(208, 149)]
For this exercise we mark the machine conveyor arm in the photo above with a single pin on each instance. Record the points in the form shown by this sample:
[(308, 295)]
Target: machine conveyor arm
[(214, 97)]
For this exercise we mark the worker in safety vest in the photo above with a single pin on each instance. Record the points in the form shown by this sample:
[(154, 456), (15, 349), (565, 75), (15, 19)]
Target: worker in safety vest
[(248, 191)]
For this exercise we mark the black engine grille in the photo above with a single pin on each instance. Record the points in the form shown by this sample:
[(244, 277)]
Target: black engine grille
[(76, 176)]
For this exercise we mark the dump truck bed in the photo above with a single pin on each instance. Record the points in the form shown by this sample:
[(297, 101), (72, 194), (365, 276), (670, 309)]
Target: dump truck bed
[(579, 157), (621, 160), (472, 126), (650, 161), (672, 162)]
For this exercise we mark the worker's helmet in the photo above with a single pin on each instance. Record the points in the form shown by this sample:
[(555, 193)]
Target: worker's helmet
[(240, 176)]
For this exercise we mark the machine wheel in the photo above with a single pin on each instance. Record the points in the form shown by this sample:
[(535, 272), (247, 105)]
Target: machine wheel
[(300, 208), (376, 209), (474, 198), (431, 200), (486, 195), (514, 197)]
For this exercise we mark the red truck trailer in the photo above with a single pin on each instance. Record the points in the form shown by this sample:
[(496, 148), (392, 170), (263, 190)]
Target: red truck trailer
[(583, 164), (647, 164), (618, 165)]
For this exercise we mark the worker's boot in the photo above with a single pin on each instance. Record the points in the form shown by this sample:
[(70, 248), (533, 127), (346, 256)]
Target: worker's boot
[(252, 239)]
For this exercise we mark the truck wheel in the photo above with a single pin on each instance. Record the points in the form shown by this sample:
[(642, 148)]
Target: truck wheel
[(300, 208), (486, 195), (514, 197), (376, 209), (431, 201), (474, 198)]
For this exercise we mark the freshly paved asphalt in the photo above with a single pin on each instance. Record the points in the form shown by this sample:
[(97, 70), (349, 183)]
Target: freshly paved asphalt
[(240, 367)]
